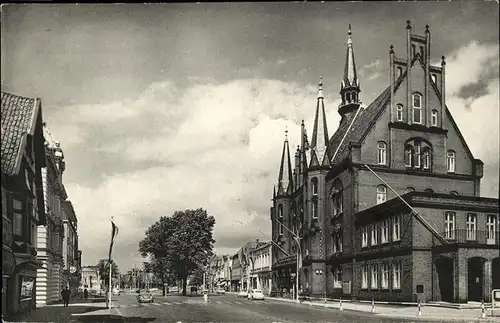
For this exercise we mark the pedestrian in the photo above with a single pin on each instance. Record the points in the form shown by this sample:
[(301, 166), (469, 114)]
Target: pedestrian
[(86, 294), (66, 293)]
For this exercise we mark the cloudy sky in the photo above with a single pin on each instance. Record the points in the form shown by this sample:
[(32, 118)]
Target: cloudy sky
[(167, 107)]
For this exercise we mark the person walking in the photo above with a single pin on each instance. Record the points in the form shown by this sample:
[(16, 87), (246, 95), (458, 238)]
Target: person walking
[(86, 294), (66, 293)]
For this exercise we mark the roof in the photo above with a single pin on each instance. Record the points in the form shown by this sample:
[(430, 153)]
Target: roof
[(18, 117)]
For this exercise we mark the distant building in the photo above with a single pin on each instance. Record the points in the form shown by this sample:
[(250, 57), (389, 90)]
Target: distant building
[(261, 273), (235, 273), (90, 278), (342, 196), (22, 159), (70, 247)]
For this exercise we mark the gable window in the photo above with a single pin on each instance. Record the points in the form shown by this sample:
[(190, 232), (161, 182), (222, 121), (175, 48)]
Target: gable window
[(375, 234), (399, 112), (384, 282), (315, 209), (314, 183), (396, 228), (374, 280), (417, 108), (337, 278), (396, 275), (434, 118), (381, 194), (490, 228), (364, 236), (449, 225), (382, 153), (337, 197), (385, 231), (364, 276), (426, 158), (471, 226), (408, 156), (450, 161)]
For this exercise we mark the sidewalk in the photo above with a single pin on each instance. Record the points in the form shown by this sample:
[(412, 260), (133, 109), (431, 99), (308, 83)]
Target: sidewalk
[(432, 312), (55, 313)]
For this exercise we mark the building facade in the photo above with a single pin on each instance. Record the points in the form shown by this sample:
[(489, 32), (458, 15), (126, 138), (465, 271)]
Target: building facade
[(90, 279), (71, 270), (235, 273), (50, 235), (22, 160), (262, 268), (404, 145)]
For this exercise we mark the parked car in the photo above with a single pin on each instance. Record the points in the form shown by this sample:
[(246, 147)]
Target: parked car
[(116, 291), (256, 294), (242, 293), (145, 297)]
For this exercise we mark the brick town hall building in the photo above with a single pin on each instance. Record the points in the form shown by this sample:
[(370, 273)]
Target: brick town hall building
[(436, 239)]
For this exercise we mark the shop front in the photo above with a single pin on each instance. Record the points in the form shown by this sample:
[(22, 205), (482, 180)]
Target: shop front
[(20, 292)]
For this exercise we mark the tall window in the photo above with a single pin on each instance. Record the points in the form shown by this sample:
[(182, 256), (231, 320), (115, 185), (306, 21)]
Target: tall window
[(408, 156), (337, 197), (381, 194), (384, 282), (449, 225), (471, 226), (382, 153), (337, 278), (364, 276), (18, 211), (490, 228), (416, 160), (374, 272), (434, 118), (280, 218), (337, 242), (314, 183), (396, 228), (426, 158), (417, 108), (364, 236), (385, 231), (315, 209), (450, 161), (396, 275), (399, 112), (400, 71), (375, 233)]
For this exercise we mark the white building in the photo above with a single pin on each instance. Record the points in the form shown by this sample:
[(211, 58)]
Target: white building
[(262, 268), (50, 236)]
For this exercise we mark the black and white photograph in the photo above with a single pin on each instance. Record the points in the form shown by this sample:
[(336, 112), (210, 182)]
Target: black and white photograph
[(250, 162)]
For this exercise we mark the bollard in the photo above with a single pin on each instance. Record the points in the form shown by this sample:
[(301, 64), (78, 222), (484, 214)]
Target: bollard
[(419, 313), (373, 305), (341, 308), (483, 312)]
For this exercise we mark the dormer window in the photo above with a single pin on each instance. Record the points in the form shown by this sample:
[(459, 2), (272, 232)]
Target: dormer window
[(417, 108), (400, 71), (399, 112), (434, 118)]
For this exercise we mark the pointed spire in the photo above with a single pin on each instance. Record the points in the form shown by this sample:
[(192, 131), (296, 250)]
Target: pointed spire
[(285, 175), (350, 75), (319, 140)]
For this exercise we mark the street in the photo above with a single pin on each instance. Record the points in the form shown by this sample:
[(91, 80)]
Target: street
[(229, 308)]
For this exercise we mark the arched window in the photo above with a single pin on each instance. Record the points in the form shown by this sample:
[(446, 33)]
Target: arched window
[(426, 158), (417, 108), (381, 194), (348, 97), (280, 219), (450, 161), (408, 156), (429, 190), (381, 153), (455, 193), (354, 95), (409, 189), (399, 112), (314, 184), (434, 118), (337, 197), (315, 209), (280, 211)]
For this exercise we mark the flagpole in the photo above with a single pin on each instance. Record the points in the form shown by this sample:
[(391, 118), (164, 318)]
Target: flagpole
[(110, 269)]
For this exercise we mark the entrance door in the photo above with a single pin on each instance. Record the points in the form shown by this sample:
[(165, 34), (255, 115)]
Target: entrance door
[(445, 272), (475, 281)]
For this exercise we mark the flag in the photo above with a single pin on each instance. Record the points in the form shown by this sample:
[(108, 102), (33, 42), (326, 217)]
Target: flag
[(114, 233)]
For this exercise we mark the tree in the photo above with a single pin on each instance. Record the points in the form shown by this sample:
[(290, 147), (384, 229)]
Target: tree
[(182, 242), (103, 269), (161, 269), (197, 277)]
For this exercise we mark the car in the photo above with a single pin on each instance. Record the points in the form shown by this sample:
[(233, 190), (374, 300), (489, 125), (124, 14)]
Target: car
[(221, 291), (256, 294), (242, 293), (116, 291), (145, 298)]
